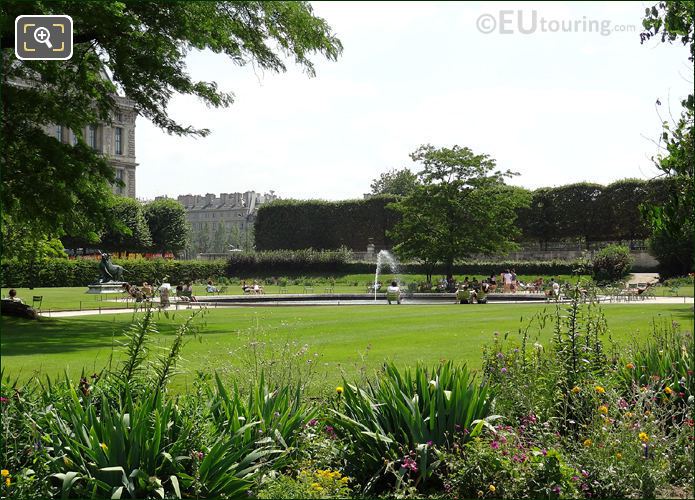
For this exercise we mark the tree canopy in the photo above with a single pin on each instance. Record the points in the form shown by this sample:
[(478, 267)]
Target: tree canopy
[(138, 49), (166, 219), (461, 207), (673, 221), (395, 182)]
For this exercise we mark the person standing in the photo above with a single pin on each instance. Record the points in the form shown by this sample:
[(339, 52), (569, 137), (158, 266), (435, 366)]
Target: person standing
[(507, 280)]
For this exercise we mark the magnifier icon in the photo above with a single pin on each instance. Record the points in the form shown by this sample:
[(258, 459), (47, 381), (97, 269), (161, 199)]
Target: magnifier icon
[(42, 35)]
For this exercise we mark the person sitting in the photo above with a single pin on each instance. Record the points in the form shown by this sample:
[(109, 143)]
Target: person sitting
[(554, 290), (492, 281), (210, 288), (180, 294), (466, 283), (246, 288), (188, 291), (257, 289), (538, 284), (12, 295), (393, 293), (147, 290)]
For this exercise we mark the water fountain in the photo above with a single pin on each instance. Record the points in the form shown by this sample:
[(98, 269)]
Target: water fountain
[(385, 257)]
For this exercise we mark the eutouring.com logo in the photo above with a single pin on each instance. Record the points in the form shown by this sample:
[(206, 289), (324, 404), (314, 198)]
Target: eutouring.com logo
[(510, 22)]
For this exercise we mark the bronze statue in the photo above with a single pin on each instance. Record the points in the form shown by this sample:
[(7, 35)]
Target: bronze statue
[(109, 272)]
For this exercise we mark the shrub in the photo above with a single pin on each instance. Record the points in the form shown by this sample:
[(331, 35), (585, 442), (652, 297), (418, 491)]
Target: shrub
[(401, 416), (307, 484), (611, 263)]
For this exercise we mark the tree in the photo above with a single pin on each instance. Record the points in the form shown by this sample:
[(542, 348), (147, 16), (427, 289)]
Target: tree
[(137, 48), (461, 207), (131, 232), (395, 182), (673, 222), (166, 219)]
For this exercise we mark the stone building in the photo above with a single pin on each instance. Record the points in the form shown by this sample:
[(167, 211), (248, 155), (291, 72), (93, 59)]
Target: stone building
[(116, 141), (229, 216)]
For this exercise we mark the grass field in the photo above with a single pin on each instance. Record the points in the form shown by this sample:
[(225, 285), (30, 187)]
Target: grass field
[(76, 298), (339, 335)]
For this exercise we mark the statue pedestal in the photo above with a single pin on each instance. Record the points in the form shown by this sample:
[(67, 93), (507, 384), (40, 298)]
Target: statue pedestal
[(111, 287)]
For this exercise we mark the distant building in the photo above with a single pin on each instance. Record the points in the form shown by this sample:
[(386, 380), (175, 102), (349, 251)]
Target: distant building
[(115, 141), (231, 215)]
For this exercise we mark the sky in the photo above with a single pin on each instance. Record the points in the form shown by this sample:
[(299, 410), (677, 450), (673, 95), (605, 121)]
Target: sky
[(558, 92)]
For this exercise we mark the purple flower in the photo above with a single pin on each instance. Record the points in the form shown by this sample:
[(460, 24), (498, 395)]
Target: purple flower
[(429, 443), (3, 400), (556, 489), (313, 422), (494, 445), (500, 355), (585, 473), (410, 464), (504, 369), (575, 478)]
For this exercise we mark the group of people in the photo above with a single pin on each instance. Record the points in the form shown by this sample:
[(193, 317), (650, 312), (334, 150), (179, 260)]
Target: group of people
[(510, 284), (255, 288)]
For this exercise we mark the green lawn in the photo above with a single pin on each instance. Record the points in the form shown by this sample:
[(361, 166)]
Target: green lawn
[(340, 335)]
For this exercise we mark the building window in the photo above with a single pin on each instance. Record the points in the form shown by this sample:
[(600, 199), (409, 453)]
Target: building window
[(73, 138), (118, 142), (92, 136), (59, 133), (120, 176)]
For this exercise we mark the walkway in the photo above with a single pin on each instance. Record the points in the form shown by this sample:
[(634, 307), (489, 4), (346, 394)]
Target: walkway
[(173, 308)]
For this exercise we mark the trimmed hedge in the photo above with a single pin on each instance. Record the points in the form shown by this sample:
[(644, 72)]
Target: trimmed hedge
[(324, 225), (81, 272), (591, 212), (59, 273)]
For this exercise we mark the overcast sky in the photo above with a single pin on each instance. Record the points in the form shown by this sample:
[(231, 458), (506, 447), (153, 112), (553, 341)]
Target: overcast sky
[(557, 107)]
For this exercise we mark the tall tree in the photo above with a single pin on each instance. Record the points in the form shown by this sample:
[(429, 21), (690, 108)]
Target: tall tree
[(673, 222), (130, 233), (461, 207), (396, 182), (142, 47), (166, 219)]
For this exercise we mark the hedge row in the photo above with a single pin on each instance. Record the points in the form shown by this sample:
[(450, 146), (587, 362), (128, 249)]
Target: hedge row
[(62, 272), (293, 224), (589, 212)]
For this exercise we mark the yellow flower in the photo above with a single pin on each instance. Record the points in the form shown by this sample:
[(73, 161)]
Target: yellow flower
[(630, 366), (316, 486), (344, 480), (587, 442), (644, 437), (103, 446), (600, 389), (8, 482), (603, 409), (480, 493), (5, 473), (339, 389), (619, 456), (668, 390), (628, 414), (576, 389), (491, 488)]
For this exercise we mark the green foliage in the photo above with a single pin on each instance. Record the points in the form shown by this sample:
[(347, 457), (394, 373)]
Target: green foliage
[(130, 231), (307, 484), (462, 207), (673, 222), (279, 413), (323, 225), (410, 411), (80, 272), (286, 261), (166, 219), (395, 182), (27, 243), (611, 263), (143, 48)]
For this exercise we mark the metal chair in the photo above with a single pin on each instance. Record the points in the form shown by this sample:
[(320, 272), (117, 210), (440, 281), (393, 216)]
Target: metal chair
[(37, 299)]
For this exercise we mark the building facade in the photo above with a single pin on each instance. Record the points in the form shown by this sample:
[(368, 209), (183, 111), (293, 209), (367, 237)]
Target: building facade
[(116, 141), (219, 223)]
